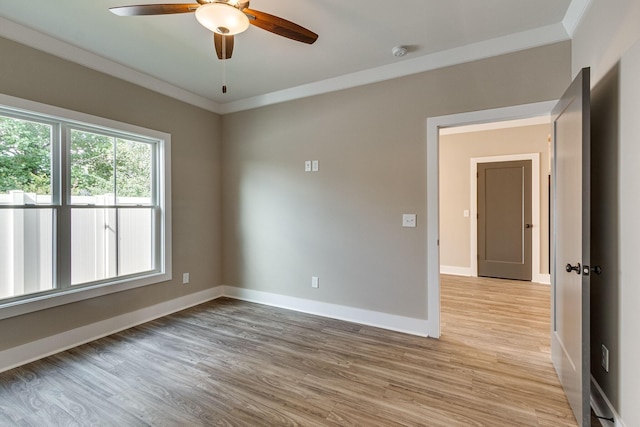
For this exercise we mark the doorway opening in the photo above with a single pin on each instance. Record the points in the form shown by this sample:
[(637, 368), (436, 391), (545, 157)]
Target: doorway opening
[(434, 127)]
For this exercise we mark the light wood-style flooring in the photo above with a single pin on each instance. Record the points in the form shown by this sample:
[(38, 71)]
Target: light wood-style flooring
[(233, 363)]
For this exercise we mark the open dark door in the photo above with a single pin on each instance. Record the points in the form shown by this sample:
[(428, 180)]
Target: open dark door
[(571, 243)]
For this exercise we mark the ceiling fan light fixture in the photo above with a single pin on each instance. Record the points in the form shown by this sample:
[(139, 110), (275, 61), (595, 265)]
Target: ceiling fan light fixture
[(222, 18)]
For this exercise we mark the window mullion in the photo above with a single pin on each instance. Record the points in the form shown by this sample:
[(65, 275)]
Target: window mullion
[(157, 200), (117, 243), (64, 219), (56, 197), (115, 202)]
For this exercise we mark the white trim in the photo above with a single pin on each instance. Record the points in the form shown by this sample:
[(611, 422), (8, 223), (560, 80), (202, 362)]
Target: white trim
[(542, 120), (535, 208), (30, 352), (544, 279), (434, 124), (36, 303), (37, 40), (602, 406), (77, 116), (575, 12), (471, 52), (26, 353), (378, 319), (455, 271)]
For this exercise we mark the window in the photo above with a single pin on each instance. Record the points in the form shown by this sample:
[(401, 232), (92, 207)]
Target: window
[(27, 225), (112, 204), (84, 205)]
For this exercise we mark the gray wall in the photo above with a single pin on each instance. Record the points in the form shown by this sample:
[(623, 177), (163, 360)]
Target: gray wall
[(343, 223), (196, 180), (456, 152), (605, 239)]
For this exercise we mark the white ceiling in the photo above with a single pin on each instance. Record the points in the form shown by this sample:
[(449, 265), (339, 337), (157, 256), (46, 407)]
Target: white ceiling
[(354, 44)]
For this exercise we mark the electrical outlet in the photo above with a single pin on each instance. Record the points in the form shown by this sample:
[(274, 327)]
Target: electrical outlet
[(185, 278), (315, 282), (605, 358)]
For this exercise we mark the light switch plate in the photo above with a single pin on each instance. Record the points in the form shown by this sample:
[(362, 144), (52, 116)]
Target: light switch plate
[(409, 220), (314, 281), (314, 166), (307, 165)]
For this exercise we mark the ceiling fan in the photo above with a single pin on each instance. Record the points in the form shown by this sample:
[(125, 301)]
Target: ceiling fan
[(224, 18)]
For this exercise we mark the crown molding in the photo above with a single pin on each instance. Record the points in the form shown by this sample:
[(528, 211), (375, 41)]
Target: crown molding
[(575, 12), (475, 51), (472, 52), (37, 40)]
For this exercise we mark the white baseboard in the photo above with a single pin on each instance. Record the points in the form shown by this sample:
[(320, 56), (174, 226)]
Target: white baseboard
[(30, 352), (455, 271), (392, 322), (543, 279), (603, 407)]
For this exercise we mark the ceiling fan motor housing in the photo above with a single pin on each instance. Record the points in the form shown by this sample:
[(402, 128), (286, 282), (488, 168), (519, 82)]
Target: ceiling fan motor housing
[(240, 4)]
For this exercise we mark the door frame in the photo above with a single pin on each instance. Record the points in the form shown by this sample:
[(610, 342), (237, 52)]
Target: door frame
[(434, 124), (535, 209)]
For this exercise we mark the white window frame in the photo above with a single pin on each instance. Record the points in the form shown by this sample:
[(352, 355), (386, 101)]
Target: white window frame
[(163, 273)]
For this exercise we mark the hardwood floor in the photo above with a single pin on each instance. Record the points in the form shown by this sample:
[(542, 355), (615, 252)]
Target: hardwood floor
[(232, 363)]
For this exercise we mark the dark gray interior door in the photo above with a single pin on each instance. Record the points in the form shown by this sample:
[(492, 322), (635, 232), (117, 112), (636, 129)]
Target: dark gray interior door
[(570, 339), (504, 220)]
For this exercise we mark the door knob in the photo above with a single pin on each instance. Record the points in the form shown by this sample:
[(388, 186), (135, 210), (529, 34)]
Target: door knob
[(575, 268), (528, 226)]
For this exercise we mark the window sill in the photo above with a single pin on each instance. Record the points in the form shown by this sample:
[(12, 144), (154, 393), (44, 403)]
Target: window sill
[(43, 302)]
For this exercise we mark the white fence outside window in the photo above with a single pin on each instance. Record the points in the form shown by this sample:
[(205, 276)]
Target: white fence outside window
[(106, 241)]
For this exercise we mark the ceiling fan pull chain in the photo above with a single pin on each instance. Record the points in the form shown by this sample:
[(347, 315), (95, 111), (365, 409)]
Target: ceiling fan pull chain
[(224, 64), (224, 78)]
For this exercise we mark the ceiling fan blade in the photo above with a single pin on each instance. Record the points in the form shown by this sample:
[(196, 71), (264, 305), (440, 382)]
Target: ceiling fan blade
[(221, 41), (280, 26), (154, 9)]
